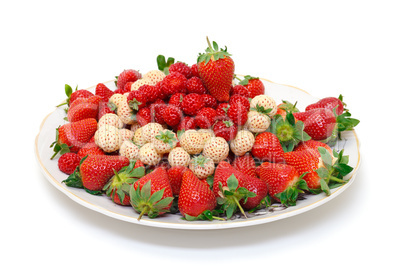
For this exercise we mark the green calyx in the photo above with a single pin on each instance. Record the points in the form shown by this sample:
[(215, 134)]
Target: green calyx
[(121, 182), (68, 90), (291, 194), (213, 52), (134, 104), (163, 64), (206, 215), (332, 174), (289, 132), (246, 79), (231, 196), (288, 107), (262, 110), (200, 160), (167, 136), (59, 148), (149, 204)]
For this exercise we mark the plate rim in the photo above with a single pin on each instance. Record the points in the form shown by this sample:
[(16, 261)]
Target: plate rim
[(194, 225)]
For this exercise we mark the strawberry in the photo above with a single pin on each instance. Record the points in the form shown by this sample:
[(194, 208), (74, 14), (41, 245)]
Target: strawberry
[(68, 162), (238, 99), (157, 111), (242, 143), (186, 123), (238, 113), (216, 70), (118, 187), (226, 129), (235, 189), (137, 99), (284, 182), (194, 70), (103, 109), (95, 171), (148, 155), (196, 199), (130, 150), (264, 104), (267, 147), (90, 148), (257, 122), (240, 90), (286, 107), (181, 67), (222, 110), (176, 99), (174, 83), (178, 157), (323, 171), (108, 138), (191, 141), (73, 136), (125, 76), (111, 119), (202, 166), (73, 95), (172, 115), (245, 164), (151, 93), (329, 103), (192, 103), (216, 148), (175, 175), (103, 91), (209, 101), (254, 86), (165, 141), (144, 116), (195, 85), (83, 108), (205, 117), (152, 194), (312, 145), (319, 123)]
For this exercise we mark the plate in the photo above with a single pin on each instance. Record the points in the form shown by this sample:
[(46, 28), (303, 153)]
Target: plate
[(104, 205)]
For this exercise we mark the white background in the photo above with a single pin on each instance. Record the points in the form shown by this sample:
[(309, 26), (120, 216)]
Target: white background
[(323, 47)]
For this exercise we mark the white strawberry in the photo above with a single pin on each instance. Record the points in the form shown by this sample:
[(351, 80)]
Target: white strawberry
[(110, 119), (126, 134), (115, 100), (264, 104), (125, 112), (206, 134), (139, 83), (150, 130), (138, 138), (154, 76), (129, 150), (108, 138), (165, 141), (148, 155), (242, 143), (192, 141), (216, 148), (135, 126), (257, 122), (202, 166), (178, 157)]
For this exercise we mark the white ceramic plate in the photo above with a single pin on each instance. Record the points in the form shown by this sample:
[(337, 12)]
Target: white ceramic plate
[(105, 206)]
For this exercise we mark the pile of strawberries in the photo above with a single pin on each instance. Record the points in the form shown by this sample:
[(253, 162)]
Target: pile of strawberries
[(199, 141)]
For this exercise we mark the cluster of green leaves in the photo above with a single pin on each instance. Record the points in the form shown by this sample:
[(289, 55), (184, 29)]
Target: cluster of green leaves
[(212, 52), (163, 64), (166, 136)]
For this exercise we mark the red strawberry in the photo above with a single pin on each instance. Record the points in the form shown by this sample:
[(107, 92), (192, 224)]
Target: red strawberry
[(174, 83), (157, 110), (180, 67), (195, 85), (137, 99), (238, 113), (328, 103), (90, 148), (225, 128), (152, 194), (73, 95), (205, 117), (144, 116), (186, 123), (103, 91), (216, 70), (253, 85), (267, 147), (177, 99), (104, 109), (312, 145), (245, 164), (194, 70), (68, 162), (118, 187), (209, 101), (195, 197), (240, 90), (172, 115), (175, 175), (284, 182), (95, 171), (192, 103), (238, 100), (83, 108), (319, 123), (73, 136), (222, 110), (322, 171), (127, 87), (151, 93), (128, 75), (227, 178)]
